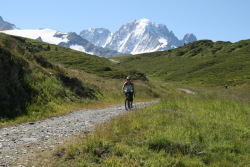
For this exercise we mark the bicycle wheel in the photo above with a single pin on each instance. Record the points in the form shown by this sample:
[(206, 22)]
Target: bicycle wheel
[(127, 104)]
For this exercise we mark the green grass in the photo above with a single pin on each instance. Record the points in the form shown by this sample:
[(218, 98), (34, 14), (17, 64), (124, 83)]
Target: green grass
[(37, 82), (199, 63), (210, 128), (205, 129), (72, 59), (32, 90)]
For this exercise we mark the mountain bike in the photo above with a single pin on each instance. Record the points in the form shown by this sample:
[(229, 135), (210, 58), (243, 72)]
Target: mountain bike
[(128, 101)]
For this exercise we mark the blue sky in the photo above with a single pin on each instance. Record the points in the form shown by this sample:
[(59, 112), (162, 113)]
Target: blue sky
[(225, 20)]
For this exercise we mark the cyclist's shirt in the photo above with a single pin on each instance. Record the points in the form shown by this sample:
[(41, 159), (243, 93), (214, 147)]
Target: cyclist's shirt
[(129, 88)]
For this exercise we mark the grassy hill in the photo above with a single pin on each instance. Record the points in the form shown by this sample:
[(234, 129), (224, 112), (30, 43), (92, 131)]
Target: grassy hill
[(40, 80), (72, 59), (203, 62), (208, 128)]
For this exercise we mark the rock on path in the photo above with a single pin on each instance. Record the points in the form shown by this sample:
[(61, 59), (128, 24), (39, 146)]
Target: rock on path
[(14, 141)]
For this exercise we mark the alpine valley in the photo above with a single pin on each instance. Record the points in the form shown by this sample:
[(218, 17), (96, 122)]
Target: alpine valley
[(62, 107), (139, 36)]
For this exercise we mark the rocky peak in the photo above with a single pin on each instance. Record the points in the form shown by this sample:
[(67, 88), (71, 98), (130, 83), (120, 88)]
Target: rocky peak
[(6, 25), (142, 36), (189, 38), (138, 36), (97, 36), (72, 36)]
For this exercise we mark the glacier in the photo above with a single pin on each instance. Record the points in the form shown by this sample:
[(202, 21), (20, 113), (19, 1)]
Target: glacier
[(47, 35)]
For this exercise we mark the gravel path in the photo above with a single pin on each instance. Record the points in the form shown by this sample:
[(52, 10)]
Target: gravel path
[(18, 141), (187, 91)]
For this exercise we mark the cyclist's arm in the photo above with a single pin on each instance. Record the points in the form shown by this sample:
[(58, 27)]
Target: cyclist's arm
[(133, 89), (123, 86)]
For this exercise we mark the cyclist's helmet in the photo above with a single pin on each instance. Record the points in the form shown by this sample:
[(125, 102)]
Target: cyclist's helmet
[(128, 78)]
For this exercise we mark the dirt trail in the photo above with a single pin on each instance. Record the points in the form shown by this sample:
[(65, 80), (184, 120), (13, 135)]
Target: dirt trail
[(19, 141), (187, 91)]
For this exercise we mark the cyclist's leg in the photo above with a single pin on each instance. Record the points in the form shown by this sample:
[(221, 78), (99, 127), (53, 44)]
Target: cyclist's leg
[(131, 99), (126, 101)]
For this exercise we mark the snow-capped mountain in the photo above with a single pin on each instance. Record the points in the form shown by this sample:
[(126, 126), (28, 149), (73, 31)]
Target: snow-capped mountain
[(76, 42), (139, 36), (4, 25), (97, 36), (70, 40)]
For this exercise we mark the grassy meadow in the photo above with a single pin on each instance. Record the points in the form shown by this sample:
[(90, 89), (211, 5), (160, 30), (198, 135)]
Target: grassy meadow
[(209, 128)]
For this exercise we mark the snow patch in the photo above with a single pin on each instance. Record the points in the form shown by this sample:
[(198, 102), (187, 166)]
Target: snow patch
[(80, 48), (163, 41), (48, 35)]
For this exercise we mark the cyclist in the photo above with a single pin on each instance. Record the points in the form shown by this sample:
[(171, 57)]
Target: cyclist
[(129, 89)]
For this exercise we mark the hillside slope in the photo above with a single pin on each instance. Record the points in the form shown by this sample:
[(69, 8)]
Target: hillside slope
[(202, 62), (72, 59), (30, 84), (40, 80)]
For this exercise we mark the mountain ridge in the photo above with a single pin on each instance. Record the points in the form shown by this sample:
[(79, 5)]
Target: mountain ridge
[(136, 37), (70, 40), (139, 36), (4, 25), (97, 37), (55, 37)]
